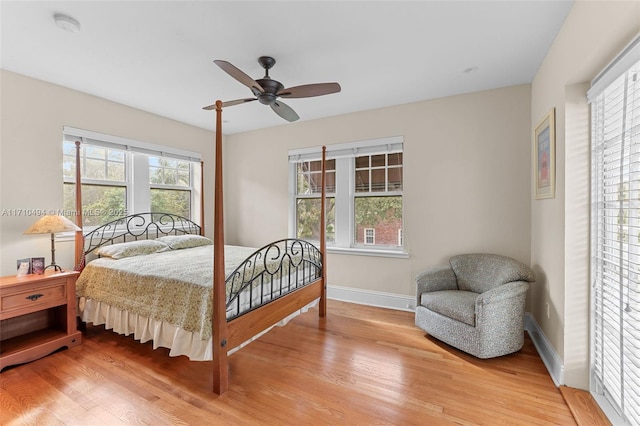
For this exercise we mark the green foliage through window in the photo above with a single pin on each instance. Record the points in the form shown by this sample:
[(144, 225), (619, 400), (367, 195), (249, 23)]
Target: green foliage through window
[(174, 201)]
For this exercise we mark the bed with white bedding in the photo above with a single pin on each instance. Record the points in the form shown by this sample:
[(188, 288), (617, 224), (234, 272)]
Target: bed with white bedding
[(161, 289)]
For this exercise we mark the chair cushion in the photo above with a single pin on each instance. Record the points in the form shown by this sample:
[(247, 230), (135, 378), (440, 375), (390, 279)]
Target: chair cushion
[(455, 304), (482, 272)]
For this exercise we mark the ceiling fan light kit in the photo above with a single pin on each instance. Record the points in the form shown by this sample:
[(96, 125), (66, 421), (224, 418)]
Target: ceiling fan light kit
[(267, 90)]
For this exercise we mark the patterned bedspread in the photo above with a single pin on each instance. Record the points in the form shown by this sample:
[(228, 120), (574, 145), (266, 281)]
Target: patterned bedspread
[(173, 286)]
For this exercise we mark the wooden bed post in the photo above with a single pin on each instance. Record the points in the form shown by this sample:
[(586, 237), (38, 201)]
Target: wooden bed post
[(79, 246), (323, 243), (202, 198), (219, 326)]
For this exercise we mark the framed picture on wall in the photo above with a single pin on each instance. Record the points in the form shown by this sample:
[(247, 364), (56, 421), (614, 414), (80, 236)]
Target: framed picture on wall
[(544, 153)]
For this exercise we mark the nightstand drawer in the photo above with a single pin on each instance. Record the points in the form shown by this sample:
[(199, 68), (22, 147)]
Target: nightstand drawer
[(52, 294)]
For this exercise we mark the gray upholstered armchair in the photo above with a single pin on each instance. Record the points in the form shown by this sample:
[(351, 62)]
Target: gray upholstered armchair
[(475, 304)]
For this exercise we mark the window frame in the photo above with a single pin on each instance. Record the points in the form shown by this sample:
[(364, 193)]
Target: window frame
[(615, 239), (308, 196), (126, 183), (163, 186), (137, 170), (345, 194)]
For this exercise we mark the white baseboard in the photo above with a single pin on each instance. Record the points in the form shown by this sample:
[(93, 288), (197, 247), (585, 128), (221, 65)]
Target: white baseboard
[(372, 298), (547, 353)]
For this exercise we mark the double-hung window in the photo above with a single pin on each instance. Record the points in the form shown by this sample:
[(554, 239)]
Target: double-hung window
[(615, 237), (364, 190), (170, 183), (121, 176), (378, 199), (105, 182), (307, 199)]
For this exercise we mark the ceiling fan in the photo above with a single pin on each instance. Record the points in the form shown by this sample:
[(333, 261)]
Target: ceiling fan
[(267, 91)]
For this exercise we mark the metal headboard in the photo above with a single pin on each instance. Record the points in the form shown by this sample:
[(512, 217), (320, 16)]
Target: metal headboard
[(139, 226)]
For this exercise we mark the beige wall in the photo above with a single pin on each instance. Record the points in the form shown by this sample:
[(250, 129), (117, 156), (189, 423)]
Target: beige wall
[(592, 35), (466, 173), (33, 114), (466, 182)]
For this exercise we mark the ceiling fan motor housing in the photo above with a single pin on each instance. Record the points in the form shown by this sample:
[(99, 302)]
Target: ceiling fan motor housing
[(271, 87)]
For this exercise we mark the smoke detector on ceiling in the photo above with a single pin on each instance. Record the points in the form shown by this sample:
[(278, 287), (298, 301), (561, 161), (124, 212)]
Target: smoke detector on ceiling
[(66, 22)]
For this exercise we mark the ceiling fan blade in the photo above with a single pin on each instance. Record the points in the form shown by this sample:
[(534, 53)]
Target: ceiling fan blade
[(231, 103), (238, 102), (239, 75), (284, 111), (309, 90)]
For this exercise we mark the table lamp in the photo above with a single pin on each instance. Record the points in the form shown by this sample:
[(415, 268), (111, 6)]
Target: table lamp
[(51, 224)]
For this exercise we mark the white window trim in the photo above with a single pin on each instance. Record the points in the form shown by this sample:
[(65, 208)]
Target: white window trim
[(137, 168), (368, 251), (194, 201), (344, 155)]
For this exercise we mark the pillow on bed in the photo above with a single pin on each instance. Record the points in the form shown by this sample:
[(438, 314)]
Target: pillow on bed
[(177, 242), (131, 248)]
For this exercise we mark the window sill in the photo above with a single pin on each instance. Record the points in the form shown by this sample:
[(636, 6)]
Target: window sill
[(358, 251)]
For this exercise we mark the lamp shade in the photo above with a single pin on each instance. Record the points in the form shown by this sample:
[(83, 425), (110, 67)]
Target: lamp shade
[(50, 224)]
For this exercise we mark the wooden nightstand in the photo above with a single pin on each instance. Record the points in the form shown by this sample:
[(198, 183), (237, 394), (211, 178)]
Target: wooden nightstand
[(37, 316)]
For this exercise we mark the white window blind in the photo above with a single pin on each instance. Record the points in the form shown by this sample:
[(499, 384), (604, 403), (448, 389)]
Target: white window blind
[(615, 234), (72, 134), (349, 150)]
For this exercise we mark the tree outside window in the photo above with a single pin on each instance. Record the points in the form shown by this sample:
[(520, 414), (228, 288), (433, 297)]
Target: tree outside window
[(170, 182)]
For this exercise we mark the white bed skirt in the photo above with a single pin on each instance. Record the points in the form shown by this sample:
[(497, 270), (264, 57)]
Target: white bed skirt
[(178, 341)]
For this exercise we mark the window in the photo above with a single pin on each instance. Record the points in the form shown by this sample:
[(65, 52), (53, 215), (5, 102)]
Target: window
[(121, 177), (308, 189), (370, 236), (105, 184), (615, 221), (364, 194), (170, 183), (378, 199)]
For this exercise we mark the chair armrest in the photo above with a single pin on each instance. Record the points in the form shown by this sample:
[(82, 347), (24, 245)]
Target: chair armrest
[(502, 292), (435, 279)]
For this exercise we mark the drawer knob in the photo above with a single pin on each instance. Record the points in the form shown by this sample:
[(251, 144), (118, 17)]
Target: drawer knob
[(34, 297)]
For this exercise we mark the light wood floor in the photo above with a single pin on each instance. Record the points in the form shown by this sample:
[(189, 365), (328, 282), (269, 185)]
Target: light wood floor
[(359, 366)]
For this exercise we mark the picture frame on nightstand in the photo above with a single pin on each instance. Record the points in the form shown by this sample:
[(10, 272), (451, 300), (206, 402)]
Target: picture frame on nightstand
[(24, 267), (37, 265)]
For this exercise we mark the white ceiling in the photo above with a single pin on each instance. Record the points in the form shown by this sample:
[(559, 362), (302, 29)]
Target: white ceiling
[(158, 55)]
